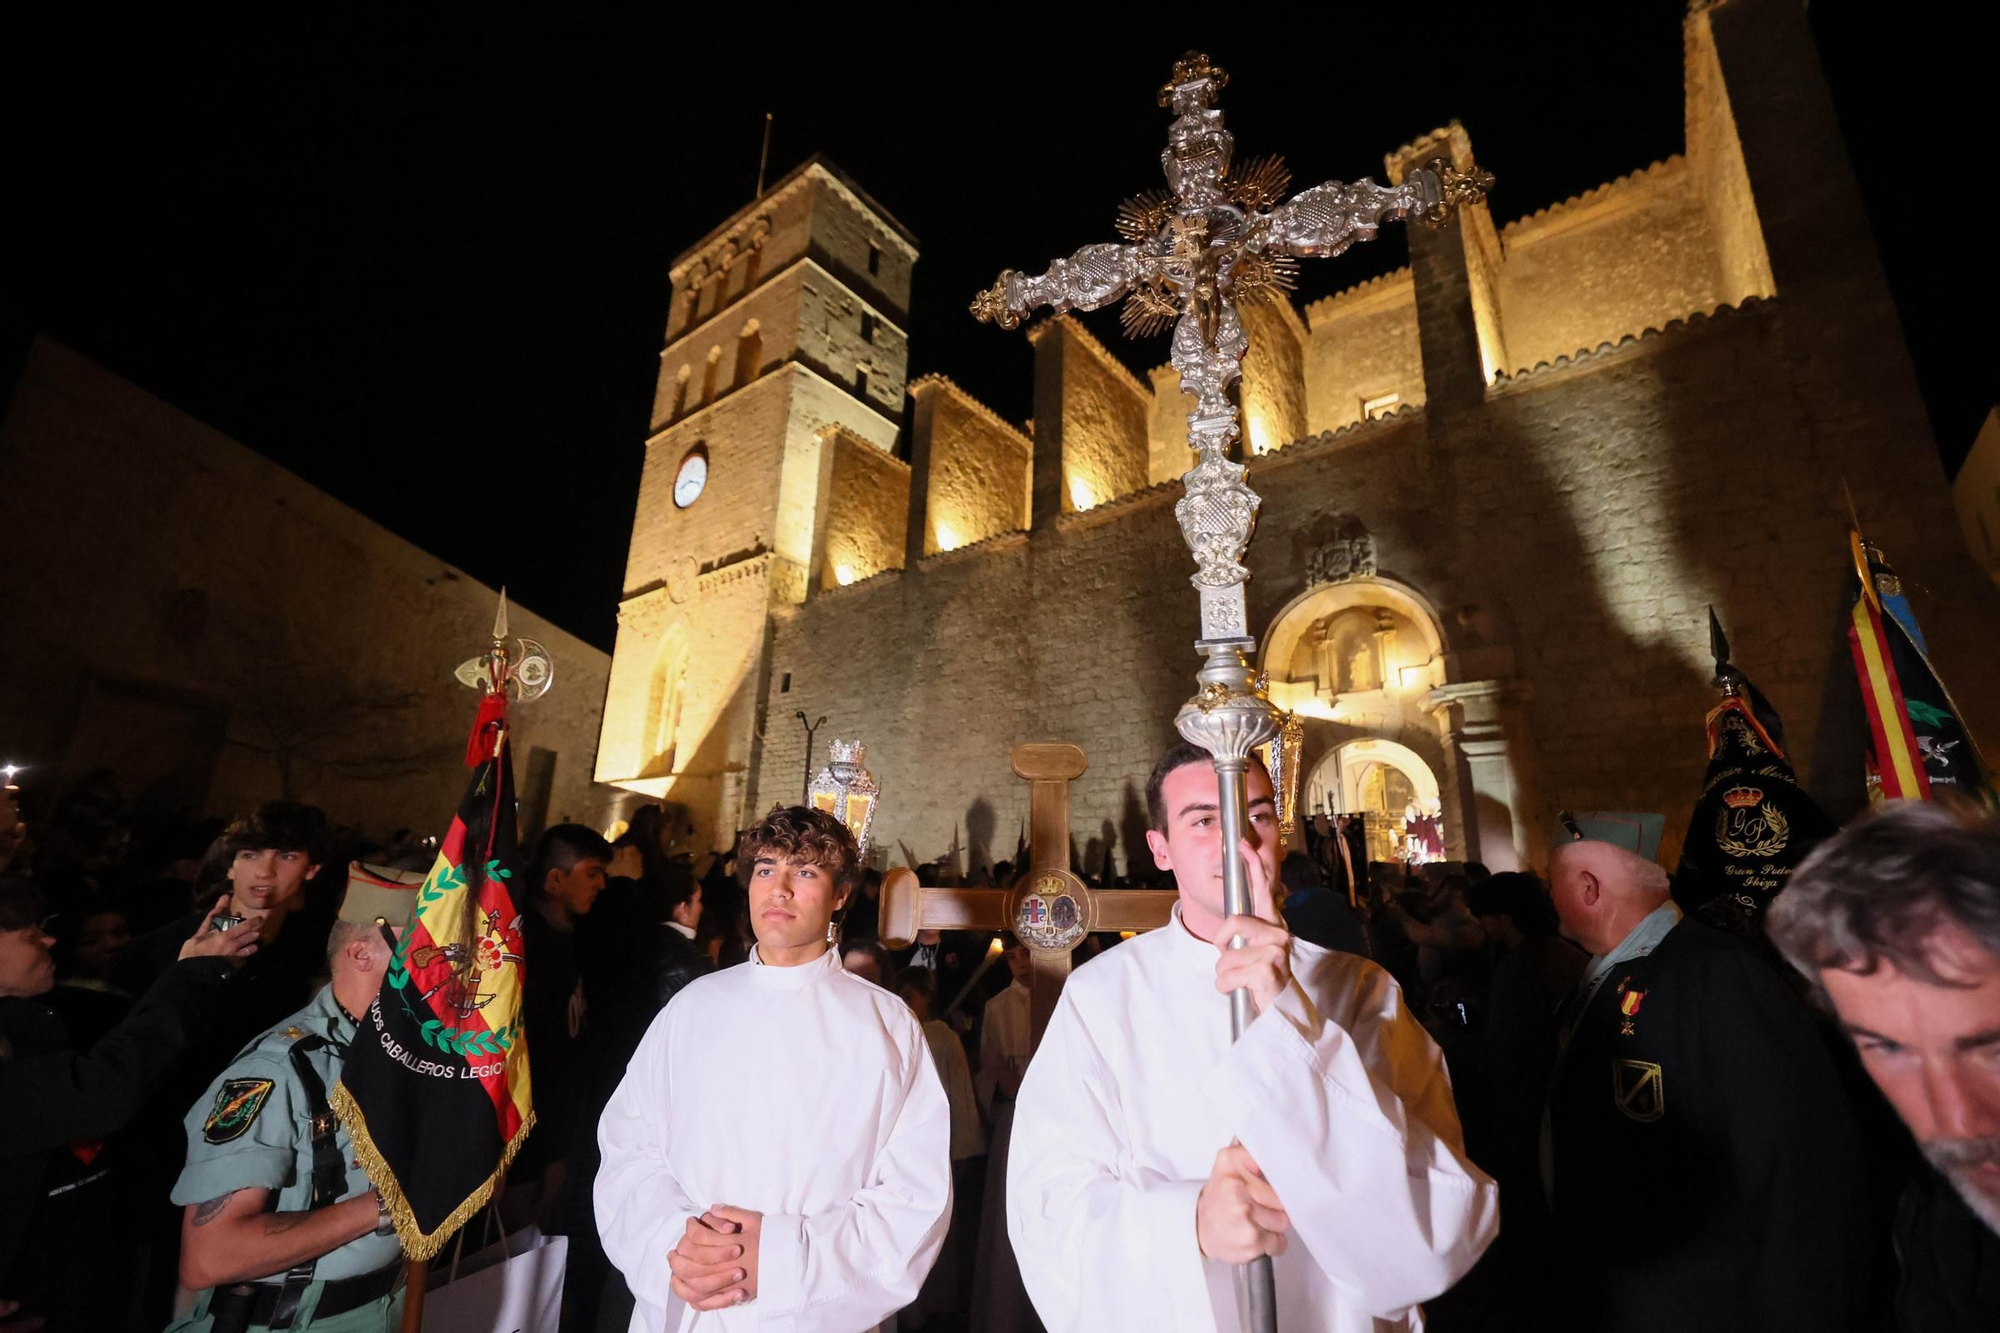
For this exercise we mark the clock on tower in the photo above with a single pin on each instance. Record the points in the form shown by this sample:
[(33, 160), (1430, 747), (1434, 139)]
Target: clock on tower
[(692, 477)]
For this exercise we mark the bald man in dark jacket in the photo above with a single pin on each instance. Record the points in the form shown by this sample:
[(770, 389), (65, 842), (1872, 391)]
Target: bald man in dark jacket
[(1701, 1156)]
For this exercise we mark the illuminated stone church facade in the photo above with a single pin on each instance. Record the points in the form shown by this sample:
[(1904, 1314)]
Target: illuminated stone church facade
[(1500, 488)]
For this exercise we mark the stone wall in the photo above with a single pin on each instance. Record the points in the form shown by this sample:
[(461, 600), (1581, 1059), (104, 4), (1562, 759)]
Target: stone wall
[(679, 716), (813, 211), (200, 620), (857, 239), (1363, 348), (1274, 382), (978, 467), (804, 314), (1168, 456), (1975, 492), (1715, 158), (1621, 259), (866, 494), (1099, 430)]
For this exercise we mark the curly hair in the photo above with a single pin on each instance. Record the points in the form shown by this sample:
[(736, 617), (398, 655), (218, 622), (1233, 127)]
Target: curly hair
[(801, 833), (1879, 890), (285, 826)]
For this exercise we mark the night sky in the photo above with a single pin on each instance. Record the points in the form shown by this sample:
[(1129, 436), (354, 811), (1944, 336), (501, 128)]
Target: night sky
[(429, 260)]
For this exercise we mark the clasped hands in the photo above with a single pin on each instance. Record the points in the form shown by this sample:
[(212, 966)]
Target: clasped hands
[(715, 1261)]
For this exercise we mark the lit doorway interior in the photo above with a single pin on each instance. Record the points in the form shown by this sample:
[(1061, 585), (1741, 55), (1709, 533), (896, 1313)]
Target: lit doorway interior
[(1393, 790)]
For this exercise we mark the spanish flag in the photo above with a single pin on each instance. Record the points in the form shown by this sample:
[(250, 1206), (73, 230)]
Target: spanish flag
[(435, 1088), (1917, 741)]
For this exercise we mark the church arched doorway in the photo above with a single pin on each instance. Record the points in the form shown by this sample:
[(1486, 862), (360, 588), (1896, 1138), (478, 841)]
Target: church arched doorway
[(1364, 663), (1359, 661), (1391, 787)]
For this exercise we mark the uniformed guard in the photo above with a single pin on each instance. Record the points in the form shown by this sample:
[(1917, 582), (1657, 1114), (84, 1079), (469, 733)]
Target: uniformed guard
[(282, 1229), (1701, 1158)]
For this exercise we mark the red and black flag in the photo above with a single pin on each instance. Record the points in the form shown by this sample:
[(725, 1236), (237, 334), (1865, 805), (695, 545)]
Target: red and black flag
[(1917, 742), (1753, 824), (435, 1090)]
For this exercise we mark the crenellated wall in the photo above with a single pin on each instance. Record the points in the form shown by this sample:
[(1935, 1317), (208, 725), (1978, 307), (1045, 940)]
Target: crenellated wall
[(1098, 428), (978, 467), (865, 492), (1363, 350)]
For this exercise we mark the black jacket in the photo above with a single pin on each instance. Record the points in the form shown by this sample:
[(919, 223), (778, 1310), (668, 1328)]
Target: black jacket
[(553, 974), (1951, 1262), (1708, 1171), (1323, 917), (51, 1097)]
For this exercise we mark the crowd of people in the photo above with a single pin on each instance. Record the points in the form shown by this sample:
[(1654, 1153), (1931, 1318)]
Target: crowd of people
[(1517, 1101)]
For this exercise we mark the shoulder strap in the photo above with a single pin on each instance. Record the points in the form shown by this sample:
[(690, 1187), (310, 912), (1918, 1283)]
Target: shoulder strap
[(329, 1171)]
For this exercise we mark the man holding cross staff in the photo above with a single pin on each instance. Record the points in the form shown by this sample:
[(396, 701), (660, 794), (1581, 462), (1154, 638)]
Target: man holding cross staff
[(1318, 1150)]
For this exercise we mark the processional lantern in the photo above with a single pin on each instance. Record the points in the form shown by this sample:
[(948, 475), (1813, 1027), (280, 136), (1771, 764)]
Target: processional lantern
[(846, 790), (1215, 238), (1281, 760)]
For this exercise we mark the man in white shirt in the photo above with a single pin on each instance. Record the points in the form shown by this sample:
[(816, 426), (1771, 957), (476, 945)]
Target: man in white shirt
[(1004, 1031), (1150, 1154), (778, 1154)]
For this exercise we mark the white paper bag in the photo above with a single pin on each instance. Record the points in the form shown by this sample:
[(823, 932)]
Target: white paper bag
[(514, 1286)]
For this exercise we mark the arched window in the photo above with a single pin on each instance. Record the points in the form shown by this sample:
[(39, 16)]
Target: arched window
[(749, 353), (663, 703)]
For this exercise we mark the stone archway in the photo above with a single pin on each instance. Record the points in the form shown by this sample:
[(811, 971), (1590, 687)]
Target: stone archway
[(1380, 780), (1364, 659)]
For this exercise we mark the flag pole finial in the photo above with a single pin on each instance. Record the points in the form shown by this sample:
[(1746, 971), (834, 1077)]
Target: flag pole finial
[(500, 618)]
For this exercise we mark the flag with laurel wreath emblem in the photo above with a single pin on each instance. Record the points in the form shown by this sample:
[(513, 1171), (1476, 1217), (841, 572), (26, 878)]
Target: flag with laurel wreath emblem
[(1753, 823)]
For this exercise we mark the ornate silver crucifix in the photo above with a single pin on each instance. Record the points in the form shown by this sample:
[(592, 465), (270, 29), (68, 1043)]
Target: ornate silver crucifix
[(1218, 236)]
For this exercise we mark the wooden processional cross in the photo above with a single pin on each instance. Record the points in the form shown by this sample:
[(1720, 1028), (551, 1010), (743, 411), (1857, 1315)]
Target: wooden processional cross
[(1048, 907)]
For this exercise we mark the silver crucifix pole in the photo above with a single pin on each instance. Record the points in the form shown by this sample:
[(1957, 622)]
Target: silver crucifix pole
[(1216, 237)]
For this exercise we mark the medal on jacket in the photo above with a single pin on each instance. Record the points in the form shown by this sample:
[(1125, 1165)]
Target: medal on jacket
[(1628, 1005)]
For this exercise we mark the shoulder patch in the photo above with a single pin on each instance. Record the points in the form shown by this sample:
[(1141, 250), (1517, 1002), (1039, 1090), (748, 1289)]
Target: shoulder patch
[(236, 1105)]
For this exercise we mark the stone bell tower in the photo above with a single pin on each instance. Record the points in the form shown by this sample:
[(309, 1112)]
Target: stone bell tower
[(784, 346)]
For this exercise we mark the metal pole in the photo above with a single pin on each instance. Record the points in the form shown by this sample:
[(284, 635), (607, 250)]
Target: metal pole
[(1256, 1283), (1230, 718), (763, 158), (806, 780)]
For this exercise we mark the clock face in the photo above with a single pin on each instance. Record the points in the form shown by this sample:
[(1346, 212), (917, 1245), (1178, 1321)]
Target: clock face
[(690, 480)]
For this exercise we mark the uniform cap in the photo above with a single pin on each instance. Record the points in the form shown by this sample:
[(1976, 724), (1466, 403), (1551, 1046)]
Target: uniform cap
[(379, 894)]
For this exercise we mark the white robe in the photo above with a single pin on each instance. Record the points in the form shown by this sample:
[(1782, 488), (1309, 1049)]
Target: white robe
[(803, 1093), (1004, 1044), (1337, 1093), (968, 1136)]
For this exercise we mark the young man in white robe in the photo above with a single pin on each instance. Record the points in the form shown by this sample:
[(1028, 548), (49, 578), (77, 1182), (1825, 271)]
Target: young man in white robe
[(778, 1156), (1149, 1154)]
